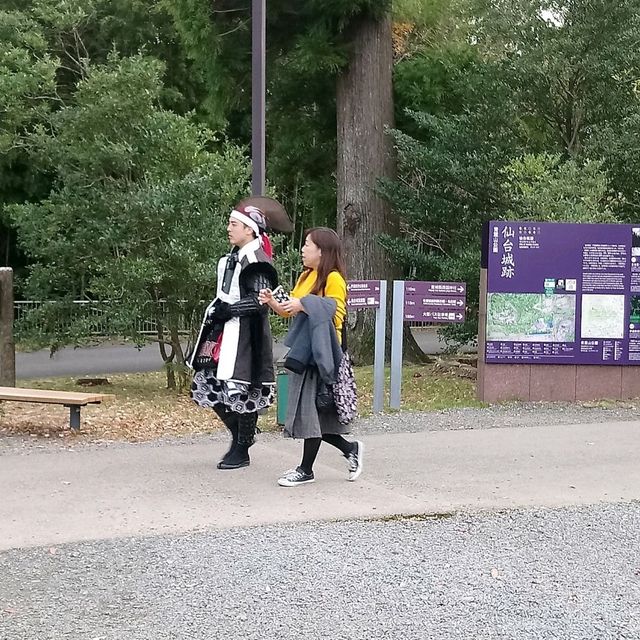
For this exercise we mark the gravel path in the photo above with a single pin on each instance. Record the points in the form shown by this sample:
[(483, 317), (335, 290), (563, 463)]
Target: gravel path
[(571, 574), (495, 416)]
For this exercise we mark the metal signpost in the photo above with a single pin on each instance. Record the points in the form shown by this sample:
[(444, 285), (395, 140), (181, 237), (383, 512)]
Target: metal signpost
[(372, 294), (438, 302)]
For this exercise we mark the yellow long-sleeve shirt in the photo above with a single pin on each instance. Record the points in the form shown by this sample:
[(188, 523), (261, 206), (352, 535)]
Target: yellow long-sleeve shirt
[(335, 288)]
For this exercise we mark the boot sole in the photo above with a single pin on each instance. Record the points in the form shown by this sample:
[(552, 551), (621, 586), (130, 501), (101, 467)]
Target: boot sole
[(226, 465)]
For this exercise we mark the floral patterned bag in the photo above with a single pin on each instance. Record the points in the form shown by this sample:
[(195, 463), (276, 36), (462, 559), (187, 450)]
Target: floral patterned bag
[(345, 394)]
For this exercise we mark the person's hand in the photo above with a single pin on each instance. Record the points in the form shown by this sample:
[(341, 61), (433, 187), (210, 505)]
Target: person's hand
[(265, 296), (293, 306)]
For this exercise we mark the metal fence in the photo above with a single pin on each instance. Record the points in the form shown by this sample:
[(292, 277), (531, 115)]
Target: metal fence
[(94, 315), (27, 321)]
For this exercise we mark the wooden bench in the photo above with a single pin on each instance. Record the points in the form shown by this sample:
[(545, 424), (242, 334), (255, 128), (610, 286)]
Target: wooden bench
[(67, 398)]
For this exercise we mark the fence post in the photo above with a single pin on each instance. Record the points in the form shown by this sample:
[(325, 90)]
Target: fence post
[(7, 345)]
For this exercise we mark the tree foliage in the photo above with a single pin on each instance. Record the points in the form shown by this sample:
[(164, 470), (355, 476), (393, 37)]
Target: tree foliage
[(572, 64), (135, 221), (27, 91), (544, 188), (527, 110), (503, 108)]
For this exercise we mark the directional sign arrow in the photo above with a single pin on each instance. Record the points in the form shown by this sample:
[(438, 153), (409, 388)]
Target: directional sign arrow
[(363, 286), (435, 288), (433, 315), (412, 300)]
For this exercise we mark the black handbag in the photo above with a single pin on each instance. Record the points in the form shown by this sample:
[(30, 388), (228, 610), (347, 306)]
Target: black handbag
[(324, 397)]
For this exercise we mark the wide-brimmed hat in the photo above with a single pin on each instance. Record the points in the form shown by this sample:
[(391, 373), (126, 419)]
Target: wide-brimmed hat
[(277, 218)]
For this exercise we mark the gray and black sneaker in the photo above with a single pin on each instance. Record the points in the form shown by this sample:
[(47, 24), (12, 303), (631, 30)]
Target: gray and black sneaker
[(354, 460), (294, 477)]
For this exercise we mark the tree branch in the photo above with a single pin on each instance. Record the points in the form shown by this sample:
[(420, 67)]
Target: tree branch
[(240, 26), (230, 10)]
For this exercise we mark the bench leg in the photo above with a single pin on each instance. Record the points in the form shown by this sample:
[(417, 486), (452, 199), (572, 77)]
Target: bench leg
[(74, 416)]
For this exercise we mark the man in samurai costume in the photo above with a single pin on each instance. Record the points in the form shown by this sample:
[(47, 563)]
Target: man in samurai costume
[(233, 356)]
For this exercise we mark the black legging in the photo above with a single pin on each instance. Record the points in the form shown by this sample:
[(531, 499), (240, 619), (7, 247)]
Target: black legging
[(312, 446), (224, 413)]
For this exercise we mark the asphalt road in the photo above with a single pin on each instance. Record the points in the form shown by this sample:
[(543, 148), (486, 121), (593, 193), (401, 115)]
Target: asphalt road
[(116, 358)]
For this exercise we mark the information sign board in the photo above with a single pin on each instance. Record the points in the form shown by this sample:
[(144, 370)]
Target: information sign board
[(563, 293)]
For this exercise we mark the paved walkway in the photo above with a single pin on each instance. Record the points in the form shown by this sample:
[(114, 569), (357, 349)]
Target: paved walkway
[(95, 493)]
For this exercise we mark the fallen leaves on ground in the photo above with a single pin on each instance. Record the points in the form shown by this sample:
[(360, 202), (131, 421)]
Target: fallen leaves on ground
[(128, 420)]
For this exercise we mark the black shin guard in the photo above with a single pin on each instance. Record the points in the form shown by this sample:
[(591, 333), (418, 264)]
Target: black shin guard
[(247, 428)]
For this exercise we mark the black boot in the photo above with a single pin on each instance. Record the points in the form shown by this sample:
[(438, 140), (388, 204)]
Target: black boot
[(230, 420), (233, 428), (238, 457)]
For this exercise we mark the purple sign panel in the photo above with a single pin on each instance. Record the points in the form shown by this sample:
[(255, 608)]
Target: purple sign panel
[(434, 315), (442, 302), (436, 288), (563, 293), (363, 294)]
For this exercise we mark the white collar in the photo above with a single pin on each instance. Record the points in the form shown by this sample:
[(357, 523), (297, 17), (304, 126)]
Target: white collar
[(250, 247)]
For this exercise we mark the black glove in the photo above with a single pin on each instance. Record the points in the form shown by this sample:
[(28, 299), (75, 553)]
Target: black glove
[(249, 305), (221, 311)]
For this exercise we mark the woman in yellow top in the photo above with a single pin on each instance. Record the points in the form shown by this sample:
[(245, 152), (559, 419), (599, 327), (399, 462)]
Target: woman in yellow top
[(323, 276)]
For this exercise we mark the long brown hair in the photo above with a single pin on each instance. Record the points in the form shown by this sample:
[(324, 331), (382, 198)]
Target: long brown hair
[(331, 259)]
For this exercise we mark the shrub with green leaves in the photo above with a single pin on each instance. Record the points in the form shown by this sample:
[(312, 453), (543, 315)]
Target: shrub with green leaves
[(136, 219)]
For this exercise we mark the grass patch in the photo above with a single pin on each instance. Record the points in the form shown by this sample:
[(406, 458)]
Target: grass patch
[(424, 388), (144, 409)]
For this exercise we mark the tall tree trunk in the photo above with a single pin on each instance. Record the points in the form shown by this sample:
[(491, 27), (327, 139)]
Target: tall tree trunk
[(179, 360), (167, 358), (365, 154)]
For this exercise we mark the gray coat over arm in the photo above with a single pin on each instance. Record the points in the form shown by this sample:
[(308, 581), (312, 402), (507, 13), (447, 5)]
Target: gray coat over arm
[(315, 354)]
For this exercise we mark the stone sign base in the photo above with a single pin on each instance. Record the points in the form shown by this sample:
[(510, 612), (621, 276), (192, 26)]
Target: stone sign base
[(556, 383)]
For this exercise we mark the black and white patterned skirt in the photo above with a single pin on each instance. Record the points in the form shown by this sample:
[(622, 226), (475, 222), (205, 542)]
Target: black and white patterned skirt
[(207, 391)]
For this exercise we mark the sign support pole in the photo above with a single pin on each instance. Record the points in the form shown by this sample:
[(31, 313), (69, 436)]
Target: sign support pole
[(258, 91), (378, 363), (397, 331)]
